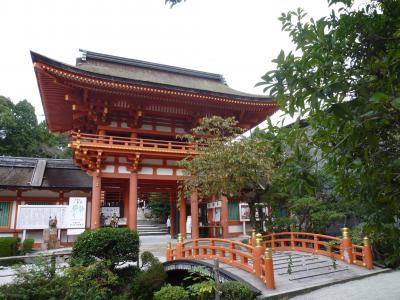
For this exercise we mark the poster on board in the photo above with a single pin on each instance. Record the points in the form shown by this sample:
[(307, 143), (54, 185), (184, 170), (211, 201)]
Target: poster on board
[(76, 212), (244, 212), (37, 216)]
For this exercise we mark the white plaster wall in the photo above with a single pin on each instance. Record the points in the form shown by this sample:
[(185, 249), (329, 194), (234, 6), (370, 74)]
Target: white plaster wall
[(123, 170), (154, 162), (13, 213), (171, 162), (5, 193), (108, 169), (235, 228), (165, 171), (179, 130), (146, 127), (164, 128), (146, 171), (40, 193)]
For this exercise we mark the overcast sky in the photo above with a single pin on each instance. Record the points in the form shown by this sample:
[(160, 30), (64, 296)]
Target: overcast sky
[(236, 38)]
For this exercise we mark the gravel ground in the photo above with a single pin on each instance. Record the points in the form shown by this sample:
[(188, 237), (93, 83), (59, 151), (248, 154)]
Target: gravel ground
[(384, 286)]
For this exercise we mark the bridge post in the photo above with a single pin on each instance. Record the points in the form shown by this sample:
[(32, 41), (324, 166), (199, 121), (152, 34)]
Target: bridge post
[(179, 247), (253, 237), (272, 240), (316, 246), (367, 253), (346, 246), (269, 269), (292, 243), (169, 254), (257, 253)]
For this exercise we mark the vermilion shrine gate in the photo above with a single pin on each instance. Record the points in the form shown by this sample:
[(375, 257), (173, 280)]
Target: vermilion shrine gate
[(124, 115)]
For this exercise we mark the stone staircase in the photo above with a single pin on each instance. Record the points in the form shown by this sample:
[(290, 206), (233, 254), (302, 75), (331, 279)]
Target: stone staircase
[(146, 227)]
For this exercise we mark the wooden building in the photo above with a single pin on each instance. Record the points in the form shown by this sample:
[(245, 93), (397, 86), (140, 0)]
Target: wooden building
[(123, 116)]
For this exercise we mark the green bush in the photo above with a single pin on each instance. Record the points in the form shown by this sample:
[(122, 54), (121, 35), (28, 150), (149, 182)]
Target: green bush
[(37, 282), (148, 259), (169, 292), (95, 281), (235, 290), (8, 246), (204, 290), (27, 245), (149, 281), (117, 245)]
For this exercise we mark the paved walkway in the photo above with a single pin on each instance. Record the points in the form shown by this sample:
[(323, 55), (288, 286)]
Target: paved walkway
[(379, 287)]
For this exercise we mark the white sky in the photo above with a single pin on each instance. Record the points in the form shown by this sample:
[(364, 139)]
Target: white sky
[(235, 38)]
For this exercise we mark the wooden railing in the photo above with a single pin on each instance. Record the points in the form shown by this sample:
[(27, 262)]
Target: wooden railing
[(253, 259), (135, 144), (339, 248), (256, 257)]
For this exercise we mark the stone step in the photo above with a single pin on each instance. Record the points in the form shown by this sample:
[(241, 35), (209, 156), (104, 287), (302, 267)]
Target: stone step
[(318, 272), (152, 233)]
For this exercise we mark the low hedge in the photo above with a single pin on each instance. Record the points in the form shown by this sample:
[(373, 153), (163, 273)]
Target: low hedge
[(235, 290), (170, 292), (27, 245), (9, 246)]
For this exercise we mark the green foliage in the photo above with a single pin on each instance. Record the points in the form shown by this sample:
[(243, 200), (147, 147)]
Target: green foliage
[(22, 135), (343, 75), (35, 283), (8, 246), (226, 164), (27, 245), (290, 265), (159, 205), (196, 275), (95, 281), (148, 259), (202, 290), (149, 281), (234, 290), (117, 245), (169, 292)]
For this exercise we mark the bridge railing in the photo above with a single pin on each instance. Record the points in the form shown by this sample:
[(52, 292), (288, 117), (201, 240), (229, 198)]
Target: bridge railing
[(253, 259), (339, 248)]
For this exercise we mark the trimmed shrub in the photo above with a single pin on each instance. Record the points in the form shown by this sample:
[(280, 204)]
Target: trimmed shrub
[(149, 281), (170, 292), (235, 290), (8, 246), (117, 245), (27, 245), (96, 281), (148, 259)]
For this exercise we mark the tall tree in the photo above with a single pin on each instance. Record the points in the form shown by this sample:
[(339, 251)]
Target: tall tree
[(21, 135), (344, 76)]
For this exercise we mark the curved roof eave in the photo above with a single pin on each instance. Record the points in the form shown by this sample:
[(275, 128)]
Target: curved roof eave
[(36, 57)]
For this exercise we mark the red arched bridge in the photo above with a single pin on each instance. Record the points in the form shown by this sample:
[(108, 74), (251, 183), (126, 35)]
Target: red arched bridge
[(257, 257)]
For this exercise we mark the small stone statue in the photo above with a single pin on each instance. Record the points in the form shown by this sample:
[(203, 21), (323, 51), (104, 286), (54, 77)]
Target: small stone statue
[(114, 221), (53, 238)]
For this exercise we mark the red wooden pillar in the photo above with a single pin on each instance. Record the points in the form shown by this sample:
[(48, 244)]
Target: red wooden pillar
[(126, 204), (224, 216), (172, 213), (132, 215), (182, 216), (95, 211), (194, 209)]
